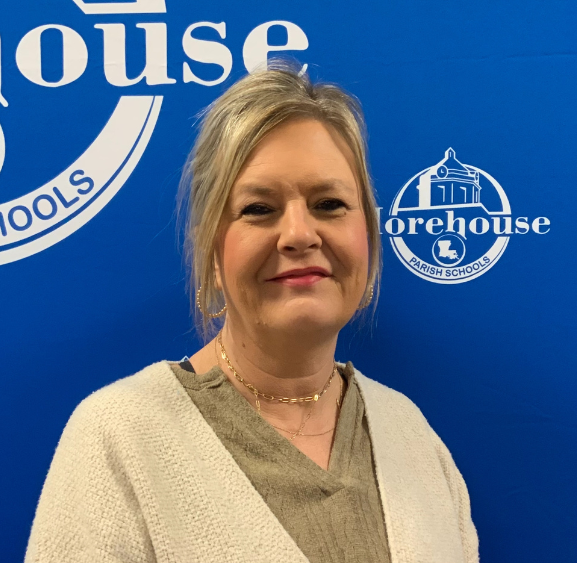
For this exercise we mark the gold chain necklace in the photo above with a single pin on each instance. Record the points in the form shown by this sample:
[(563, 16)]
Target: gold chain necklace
[(294, 434), (287, 400), (339, 403)]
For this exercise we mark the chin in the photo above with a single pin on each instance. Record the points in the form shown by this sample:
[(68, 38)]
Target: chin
[(307, 318)]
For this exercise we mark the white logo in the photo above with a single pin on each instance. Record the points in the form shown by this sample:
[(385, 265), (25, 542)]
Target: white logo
[(46, 215), (451, 223), (134, 7)]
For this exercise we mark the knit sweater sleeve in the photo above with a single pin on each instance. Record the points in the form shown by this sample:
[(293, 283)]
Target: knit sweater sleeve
[(461, 501), (88, 510)]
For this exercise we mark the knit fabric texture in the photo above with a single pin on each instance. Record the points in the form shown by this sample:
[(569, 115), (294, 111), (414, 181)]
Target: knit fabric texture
[(139, 476), (334, 516)]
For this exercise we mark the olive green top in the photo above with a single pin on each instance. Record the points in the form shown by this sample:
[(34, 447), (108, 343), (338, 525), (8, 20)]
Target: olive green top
[(333, 516)]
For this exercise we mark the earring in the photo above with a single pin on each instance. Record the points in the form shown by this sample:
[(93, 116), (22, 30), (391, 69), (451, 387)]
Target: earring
[(368, 300), (210, 315)]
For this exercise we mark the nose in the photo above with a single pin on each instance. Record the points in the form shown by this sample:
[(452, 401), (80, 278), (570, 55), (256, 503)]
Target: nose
[(298, 230)]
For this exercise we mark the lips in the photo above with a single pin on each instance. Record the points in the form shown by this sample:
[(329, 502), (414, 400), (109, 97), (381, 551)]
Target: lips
[(312, 272), (301, 277)]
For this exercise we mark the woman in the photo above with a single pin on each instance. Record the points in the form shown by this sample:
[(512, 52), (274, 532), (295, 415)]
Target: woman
[(262, 448)]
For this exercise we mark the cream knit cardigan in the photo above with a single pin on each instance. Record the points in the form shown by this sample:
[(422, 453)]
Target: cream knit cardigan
[(140, 477)]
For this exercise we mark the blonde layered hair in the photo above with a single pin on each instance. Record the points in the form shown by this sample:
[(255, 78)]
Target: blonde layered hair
[(230, 128)]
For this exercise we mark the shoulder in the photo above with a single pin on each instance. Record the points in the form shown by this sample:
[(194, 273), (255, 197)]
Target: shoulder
[(376, 394), (397, 412), (406, 447), (129, 401), (389, 411)]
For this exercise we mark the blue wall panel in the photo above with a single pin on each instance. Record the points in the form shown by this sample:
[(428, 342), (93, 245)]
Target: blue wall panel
[(490, 361)]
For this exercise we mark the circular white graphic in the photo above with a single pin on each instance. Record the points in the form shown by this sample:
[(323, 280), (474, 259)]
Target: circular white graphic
[(50, 213), (444, 213), (449, 250), (2, 147)]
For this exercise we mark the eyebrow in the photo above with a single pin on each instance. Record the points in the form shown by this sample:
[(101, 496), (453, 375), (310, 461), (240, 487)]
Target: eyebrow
[(256, 189), (317, 186)]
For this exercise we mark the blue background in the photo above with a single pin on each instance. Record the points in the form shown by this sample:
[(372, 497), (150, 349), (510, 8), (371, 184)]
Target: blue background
[(491, 363)]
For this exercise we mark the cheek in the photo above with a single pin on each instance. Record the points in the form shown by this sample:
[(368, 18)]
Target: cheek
[(242, 253), (232, 255), (356, 247), (235, 258)]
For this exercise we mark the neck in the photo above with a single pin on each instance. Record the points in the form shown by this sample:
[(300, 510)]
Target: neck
[(288, 365)]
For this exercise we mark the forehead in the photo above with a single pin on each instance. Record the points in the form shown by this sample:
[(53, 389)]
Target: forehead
[(304, 153)]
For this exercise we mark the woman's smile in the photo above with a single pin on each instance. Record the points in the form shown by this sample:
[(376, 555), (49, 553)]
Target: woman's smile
[(300, 281), (303, 277)]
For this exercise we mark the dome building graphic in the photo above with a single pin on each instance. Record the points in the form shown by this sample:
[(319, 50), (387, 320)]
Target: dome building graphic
[(449, 184)]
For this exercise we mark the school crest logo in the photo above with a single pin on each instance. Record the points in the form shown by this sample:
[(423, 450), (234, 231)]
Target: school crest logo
[(109, 56), (49, 213), (452, 222)]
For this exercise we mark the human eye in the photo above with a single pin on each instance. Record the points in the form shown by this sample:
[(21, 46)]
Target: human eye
[(330, 204), (256, 209)]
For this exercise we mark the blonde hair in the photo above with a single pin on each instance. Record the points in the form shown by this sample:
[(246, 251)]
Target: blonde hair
[(230, 128)]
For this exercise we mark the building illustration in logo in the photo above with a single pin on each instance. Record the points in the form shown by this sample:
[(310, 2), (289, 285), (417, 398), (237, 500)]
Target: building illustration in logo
[(450, 183)]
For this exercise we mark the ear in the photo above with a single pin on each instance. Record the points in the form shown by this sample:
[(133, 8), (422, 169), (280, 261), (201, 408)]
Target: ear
[(217, 273)]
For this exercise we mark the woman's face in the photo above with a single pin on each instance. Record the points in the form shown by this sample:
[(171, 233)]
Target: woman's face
[(293, 248)]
